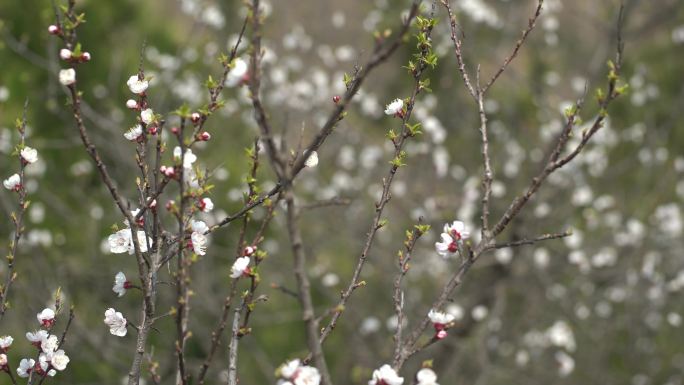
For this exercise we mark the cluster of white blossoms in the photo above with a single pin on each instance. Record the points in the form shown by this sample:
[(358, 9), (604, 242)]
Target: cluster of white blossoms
[(452, 238), (122, 241), (50, 359), (294, 373), (385, 376), (440, 321), (198, 237), (28, 156), (116, 322)]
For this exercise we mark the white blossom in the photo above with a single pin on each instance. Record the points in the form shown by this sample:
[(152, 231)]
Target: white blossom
[(312, 159), (240, 266), (395, 107), (3, 360), (188, 159), (289, 369), (30, 155), (199, 227), (49, 344), (116, 322), (46, 317), (560, 334), (37, 337), (67, 77), (426, 376), (25, 367), (59, 360), (5, 342), (199, 243), (122, 241), (452, 236), (147, 116), (120, 284), (136, 85), (237, 73), (206, 205), (134, 133), (13, 182), (307, 375), (566, 364), (440, 318), (44, 363), (385, 376)]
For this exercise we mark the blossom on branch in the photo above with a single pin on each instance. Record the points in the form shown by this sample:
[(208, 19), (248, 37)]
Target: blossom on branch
[(452, 238), (122, 241), (12, 183), (396, 108), (29, 155), (240, 267), (385, 376), (121, 284), (294, 373), (25, 367), (237, 74), (134, 133), (67, 76), (137, 85), (116, 322), (46, 317), (426, 376)]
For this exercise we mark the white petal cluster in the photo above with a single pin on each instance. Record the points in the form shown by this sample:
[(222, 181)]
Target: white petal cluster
[(25, 367), (116, 322), (120, 284), (426, 376), (134, 133), (188, 159), (136, 85), (395, 107), (198, 238), (240, 267), (29, 155), (294, 373), (385, 376), (206, 205), (452, 237), (440, 318), (147, 116), (5, 342), (46, 317), (13, 182), (67, 76), (237, 73), (122, 241)]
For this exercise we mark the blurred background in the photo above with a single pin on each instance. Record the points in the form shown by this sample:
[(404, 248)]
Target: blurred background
[(602, 306)]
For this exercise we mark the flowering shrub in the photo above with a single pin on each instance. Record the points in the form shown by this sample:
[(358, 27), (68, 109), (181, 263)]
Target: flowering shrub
[(177, 237)]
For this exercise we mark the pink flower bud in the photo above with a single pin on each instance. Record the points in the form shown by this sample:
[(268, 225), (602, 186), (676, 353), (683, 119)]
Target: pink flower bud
[(169, 205), (131, 104), (336, 99), (175, 130), (249, 250), (152, 130), (85, 56), (195, 117), (204, 136), (441, 334), (53, 30)]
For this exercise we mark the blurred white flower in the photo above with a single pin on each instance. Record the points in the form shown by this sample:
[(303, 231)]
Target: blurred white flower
[(29, 155), (25, 367), (131, 104), (395, 107), (116, 322), (560, 334), (46, 317), (240, 267), (236, 74), (426, 376), (65, 54), (134, 133), (188, 159), (122, 241), (199, 243), (206, 205), (5, 342), (13, 182), (385, 376), (120, 284), (147, 116), (49, 344), (566, 364), (35, 338), (136, 85), (312, 159), (67, 77), (440, 319)]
